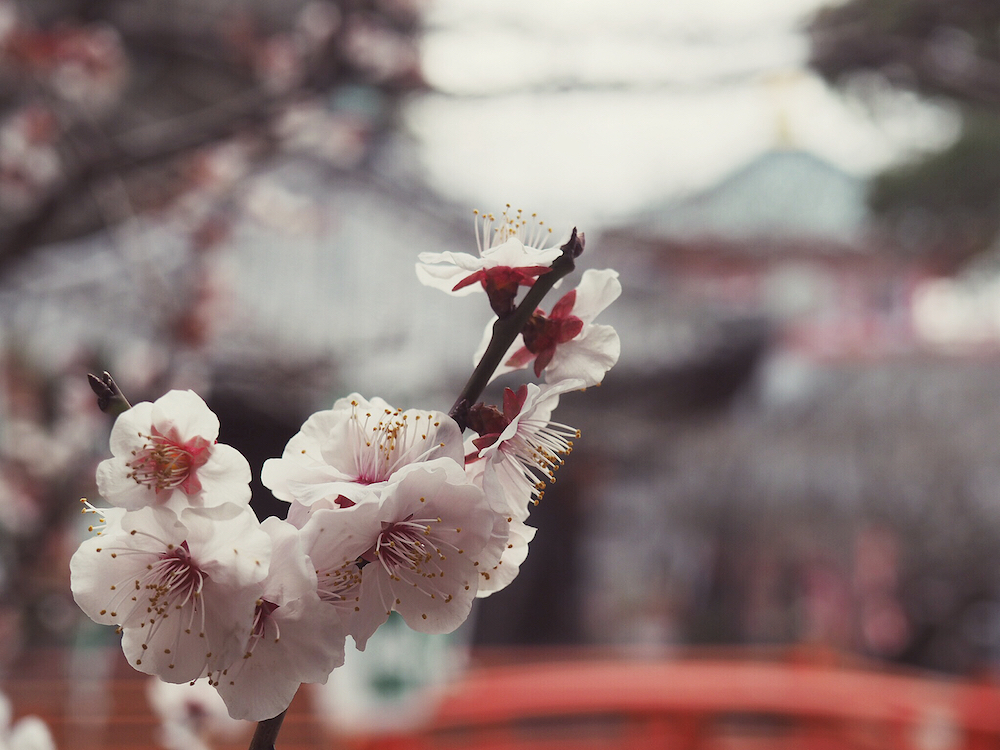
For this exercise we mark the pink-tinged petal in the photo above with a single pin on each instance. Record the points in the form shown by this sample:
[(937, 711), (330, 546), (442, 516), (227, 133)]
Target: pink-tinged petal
[(587, 358), (187, 413), (564, 307), (165, 452), (597, 290)]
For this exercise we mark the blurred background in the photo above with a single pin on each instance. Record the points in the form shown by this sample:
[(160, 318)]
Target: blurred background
[(798, 448)]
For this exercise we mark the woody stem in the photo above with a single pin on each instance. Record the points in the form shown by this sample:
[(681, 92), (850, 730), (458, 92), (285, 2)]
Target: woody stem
[(505, 330)]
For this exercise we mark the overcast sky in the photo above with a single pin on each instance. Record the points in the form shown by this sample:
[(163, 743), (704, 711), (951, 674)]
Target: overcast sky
[(585, 110)]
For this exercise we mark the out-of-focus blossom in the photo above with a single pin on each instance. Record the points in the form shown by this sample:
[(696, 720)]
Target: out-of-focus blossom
[(166, 454), (28, 733), (181, 587), (29, 162), (296, 638), (192, 715), (338, 138), (381, 53), (565, 344), (85, 65)]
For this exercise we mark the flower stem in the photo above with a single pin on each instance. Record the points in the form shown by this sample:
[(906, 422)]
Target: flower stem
[(267, 733), (505, 330)]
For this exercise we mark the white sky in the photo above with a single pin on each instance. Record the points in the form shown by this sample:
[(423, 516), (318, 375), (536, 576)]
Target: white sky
[(585, 110)]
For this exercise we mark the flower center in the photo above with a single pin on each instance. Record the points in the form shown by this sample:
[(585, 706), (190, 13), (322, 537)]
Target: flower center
[(174, 580), (164, 463), (401, 545), (339, 585), (388, 442), (492, 232), (261, 617)]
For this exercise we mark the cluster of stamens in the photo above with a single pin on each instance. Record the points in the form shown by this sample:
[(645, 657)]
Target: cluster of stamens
[(163, 464), (528, 229), (389, 441)]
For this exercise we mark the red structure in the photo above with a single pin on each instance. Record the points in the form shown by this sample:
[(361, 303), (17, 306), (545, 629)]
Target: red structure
[(708, 705)]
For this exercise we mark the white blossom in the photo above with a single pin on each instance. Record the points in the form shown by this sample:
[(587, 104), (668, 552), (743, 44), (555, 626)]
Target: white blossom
[(340, 455), (416, 551), (180, 587), (295, 637), (566, 344)]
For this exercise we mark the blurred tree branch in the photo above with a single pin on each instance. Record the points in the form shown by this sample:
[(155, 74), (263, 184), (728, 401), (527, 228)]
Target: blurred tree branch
[(157, 82), (943, 50)]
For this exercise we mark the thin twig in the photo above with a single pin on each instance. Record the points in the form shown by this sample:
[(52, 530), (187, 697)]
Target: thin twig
[(267, 733), (505, 330)]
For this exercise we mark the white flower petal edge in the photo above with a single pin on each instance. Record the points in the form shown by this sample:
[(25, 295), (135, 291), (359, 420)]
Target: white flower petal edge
[(446, 270), (515, 552)]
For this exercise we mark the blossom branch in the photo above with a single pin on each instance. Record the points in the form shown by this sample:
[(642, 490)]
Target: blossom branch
[(505, 330), (110, 398), (267, 733)]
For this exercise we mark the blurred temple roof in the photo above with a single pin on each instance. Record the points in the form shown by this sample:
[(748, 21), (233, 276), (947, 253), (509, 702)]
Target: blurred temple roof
[(783, 194)]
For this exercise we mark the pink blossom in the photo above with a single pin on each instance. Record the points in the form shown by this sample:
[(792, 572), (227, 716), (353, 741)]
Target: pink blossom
[(565, 344), (166, 454)]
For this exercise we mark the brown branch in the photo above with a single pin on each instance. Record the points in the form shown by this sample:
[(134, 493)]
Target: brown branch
[(266, 733), (505, 330)]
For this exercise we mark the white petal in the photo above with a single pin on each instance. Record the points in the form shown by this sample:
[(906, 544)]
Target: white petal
[(310, 646), (514, 554), (291, 574), (596, 290), (186, 412), (588, 357)]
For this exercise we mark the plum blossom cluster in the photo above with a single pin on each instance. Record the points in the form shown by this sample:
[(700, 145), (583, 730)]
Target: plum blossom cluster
[(389, 509)]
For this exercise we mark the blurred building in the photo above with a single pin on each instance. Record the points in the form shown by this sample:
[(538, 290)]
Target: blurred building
[(782, 455)]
